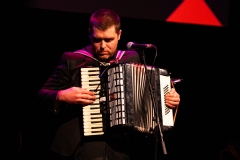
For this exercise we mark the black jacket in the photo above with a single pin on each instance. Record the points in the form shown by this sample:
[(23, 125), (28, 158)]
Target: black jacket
[(67, 127)]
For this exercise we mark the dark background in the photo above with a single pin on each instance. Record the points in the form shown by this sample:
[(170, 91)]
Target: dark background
[(207, 120)]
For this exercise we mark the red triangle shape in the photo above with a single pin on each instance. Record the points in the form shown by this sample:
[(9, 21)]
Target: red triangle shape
[(194, 12)]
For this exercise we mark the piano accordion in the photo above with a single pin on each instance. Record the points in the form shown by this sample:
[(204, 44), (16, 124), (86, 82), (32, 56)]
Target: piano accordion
[(125, 100)]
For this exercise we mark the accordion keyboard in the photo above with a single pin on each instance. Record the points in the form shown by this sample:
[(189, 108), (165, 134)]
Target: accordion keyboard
[(92, 117)]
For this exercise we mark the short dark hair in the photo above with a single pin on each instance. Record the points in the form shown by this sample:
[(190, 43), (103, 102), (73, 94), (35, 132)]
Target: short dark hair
[(103, 19)]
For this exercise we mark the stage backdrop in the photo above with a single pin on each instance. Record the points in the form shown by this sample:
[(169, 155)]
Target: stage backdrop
[(199, 12)]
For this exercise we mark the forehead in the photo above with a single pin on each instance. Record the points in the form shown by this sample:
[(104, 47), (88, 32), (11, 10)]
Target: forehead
[(110, 32)]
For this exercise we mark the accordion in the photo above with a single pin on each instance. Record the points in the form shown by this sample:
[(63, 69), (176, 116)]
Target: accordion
[(129, 97)]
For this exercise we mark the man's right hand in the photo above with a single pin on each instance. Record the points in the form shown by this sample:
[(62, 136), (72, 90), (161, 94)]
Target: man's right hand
[(76, 95)]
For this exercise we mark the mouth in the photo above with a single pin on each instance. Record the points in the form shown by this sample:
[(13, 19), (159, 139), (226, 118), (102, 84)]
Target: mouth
[(102, 52), (103, 55)]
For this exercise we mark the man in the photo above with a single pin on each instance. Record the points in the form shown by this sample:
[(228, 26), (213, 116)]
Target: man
[(63, 94)]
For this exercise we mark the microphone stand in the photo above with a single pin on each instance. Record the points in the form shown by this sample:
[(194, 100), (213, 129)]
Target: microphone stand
[(158, 127)]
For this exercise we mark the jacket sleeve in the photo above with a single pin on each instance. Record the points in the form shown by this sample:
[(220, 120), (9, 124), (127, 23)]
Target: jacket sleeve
[(62, 78)]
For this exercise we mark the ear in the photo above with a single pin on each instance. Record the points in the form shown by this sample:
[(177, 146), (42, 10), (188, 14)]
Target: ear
[(119, 34)]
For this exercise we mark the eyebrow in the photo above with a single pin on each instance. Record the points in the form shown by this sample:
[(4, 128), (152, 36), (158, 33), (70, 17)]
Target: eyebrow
[(105, 39)]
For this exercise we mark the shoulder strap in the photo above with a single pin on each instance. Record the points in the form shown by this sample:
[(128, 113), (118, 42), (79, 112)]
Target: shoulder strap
[(85, 53), (119, 56)]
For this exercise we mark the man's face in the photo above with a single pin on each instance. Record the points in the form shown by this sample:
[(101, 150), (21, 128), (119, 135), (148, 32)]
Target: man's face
[(104, 43)]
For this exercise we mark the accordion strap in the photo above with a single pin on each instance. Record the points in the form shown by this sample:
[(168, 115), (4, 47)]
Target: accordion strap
[(85, 53), (119, 56)]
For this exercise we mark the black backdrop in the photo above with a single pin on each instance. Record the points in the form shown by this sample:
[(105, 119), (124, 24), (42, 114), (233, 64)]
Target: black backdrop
[(206, 121)]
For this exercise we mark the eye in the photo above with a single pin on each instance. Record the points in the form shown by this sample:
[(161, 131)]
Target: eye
[(108, 39), (97, 40)]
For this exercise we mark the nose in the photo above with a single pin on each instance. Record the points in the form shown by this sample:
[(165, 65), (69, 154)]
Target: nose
[(103, 44)]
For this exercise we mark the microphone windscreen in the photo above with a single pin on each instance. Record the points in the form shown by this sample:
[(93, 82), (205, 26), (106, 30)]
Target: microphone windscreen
[(129, 45)]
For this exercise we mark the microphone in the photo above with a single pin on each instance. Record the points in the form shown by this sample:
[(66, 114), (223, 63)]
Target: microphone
[(132, 45)]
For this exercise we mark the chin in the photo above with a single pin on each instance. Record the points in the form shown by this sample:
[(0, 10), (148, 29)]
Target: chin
[(103, 58)]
